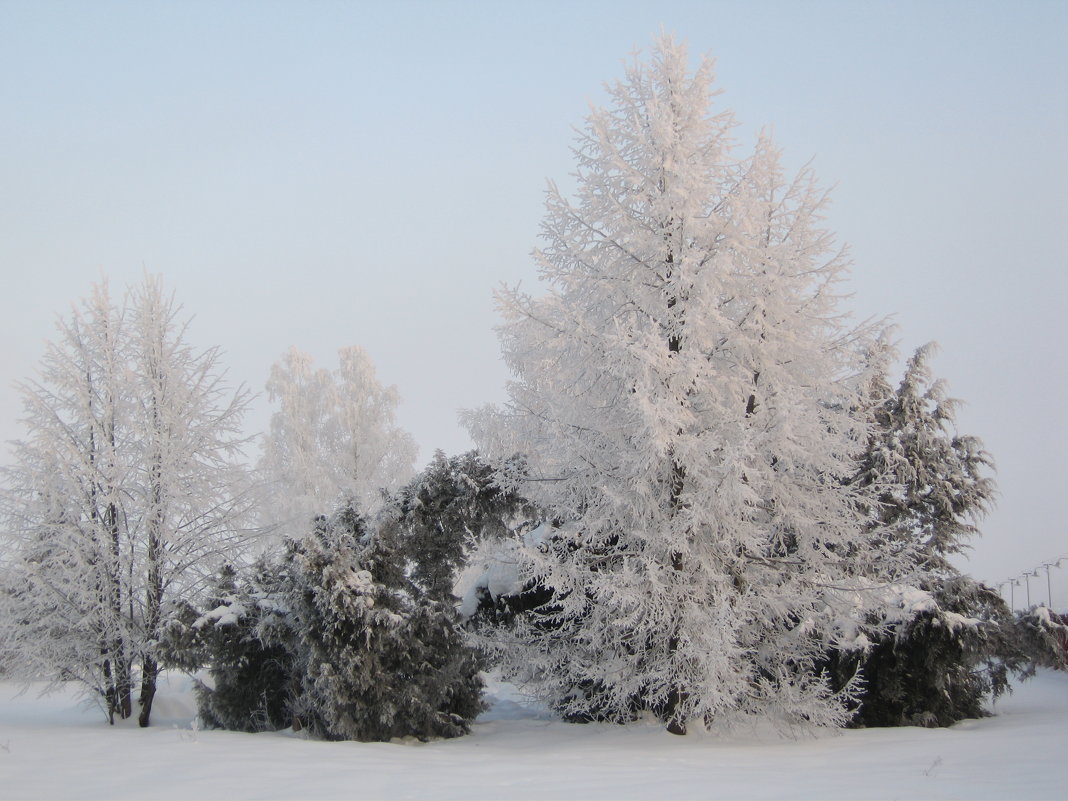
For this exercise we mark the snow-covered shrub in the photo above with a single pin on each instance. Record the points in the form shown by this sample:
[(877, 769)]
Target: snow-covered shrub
[(378, 658), (245, 640), (948, 653), (450, 508), (332, 638), (1042, 634)]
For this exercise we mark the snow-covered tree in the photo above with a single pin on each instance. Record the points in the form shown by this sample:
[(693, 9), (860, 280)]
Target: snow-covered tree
[(332, 440), (126, 494), (64, 502), (245, 637), (682, 398), (928, 485), (445, 511), (1042, 635), (926, 488), (193, 490), (378, 659)]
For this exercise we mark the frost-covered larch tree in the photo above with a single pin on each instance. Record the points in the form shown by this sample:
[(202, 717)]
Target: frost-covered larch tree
[(682, 398), (125, 495), (333, 440)]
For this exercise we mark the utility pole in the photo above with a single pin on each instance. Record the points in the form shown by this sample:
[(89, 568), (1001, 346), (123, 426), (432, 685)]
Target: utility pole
[(1049, 586)]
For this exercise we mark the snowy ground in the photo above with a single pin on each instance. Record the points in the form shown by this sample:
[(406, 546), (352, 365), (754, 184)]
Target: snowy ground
[(54, 748)]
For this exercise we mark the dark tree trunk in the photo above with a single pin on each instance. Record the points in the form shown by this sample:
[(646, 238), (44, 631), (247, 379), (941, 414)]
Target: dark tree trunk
[(150, 670), (154, 557), (676, 723)]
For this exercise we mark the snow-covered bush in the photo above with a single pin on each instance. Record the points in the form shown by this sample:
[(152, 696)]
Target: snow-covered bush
[(1042, 635), (333, 638), (453, 506), (948, 653), (378, 659), (246, 641)]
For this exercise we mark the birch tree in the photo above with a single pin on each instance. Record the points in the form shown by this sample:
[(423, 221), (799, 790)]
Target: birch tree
[(333, 440), (682, 397), (125, 494), (192, 487)]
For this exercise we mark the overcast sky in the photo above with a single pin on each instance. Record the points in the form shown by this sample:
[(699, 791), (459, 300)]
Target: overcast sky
[(322, 174)]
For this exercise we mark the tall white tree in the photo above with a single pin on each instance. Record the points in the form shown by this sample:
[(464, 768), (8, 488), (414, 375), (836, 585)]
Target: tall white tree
[(193, 487), (682, 398), (67, 601), (126, 494), (333, 440)]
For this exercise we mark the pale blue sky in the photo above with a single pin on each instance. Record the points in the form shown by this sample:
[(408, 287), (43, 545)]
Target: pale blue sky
[(322, 174)]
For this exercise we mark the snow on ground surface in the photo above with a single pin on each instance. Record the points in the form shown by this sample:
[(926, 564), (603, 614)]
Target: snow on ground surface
[(53, 747)]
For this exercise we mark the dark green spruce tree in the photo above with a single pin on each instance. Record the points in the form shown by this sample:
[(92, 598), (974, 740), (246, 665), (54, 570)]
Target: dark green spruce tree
[(246, 641), (450, 507), (379, 657), (949, 648)]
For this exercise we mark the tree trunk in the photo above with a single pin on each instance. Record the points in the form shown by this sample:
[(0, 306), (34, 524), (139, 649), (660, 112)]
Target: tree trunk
[(153, 617), (676, 723), (149, 672), (154, 555)]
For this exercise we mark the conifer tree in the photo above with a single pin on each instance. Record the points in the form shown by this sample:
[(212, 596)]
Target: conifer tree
[(246, 640), (928, 487), (682, 400), (445, 511), (377, 660)]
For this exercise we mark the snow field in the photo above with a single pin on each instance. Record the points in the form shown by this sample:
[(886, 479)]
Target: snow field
[(55, 748)]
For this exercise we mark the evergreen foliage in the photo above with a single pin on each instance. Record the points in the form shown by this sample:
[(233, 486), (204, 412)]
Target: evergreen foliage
[(332, 638), (927, 487), (379, 659), (246, 640), (1043, 636), (454, 504), (942, 662)]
